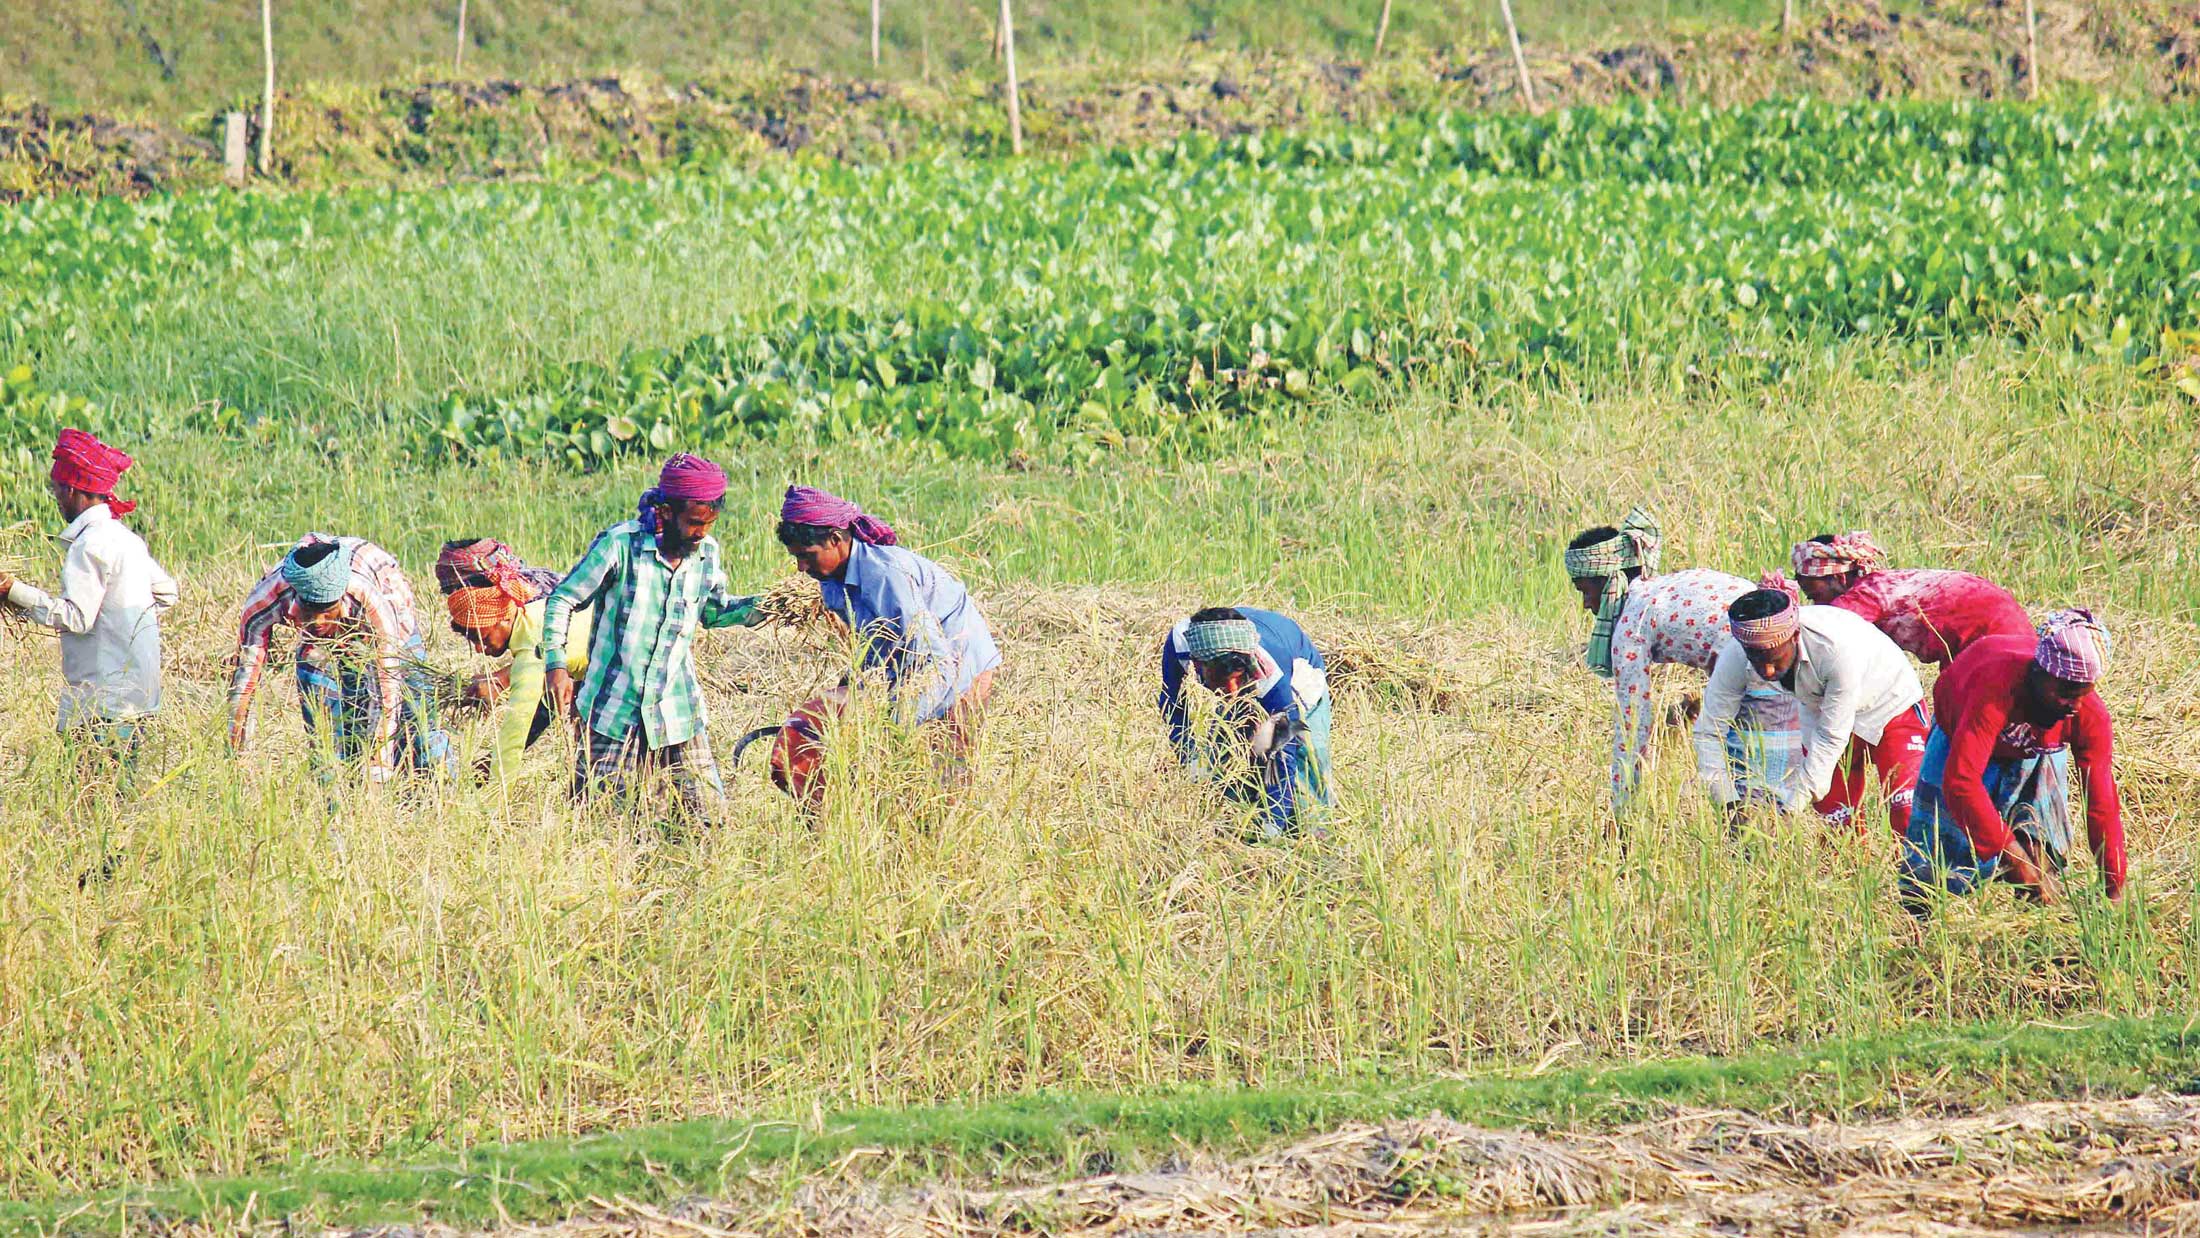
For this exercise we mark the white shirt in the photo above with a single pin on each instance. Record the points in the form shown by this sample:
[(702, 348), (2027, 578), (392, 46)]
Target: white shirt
[(108, 614), (1850, 681)]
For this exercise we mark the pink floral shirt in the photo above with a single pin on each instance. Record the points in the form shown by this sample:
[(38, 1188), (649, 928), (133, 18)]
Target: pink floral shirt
[(1678, 618)]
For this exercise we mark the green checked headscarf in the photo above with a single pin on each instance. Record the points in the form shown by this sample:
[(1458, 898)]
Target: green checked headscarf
[(1636, 546), (1208, 641)]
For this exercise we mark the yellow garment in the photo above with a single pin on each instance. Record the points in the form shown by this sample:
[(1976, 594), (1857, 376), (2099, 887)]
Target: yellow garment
[(528, 672)]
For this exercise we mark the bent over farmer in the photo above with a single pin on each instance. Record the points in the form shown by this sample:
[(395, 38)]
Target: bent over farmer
[(362, 682), (1645, 620), (652, 582), (1860, 702), (1930, 613), (1993, 796), (496, 603), (112, 595), (911, 618), (1269, 673)]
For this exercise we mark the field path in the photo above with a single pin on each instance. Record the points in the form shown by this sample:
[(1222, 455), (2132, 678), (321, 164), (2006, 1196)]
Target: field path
[(2126, 1166)]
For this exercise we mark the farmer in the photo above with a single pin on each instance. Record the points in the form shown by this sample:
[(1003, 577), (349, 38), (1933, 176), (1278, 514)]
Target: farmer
[(1270, 674), (1861, 703), (112, 593), (496, 604), (910, 616), (652, 581), (1645, 620), (1932, 614), (360, 661), (1993, 797)]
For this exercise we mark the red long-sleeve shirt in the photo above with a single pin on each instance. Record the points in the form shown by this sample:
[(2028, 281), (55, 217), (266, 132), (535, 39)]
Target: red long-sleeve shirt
[(1934, 615), (1974, 703)]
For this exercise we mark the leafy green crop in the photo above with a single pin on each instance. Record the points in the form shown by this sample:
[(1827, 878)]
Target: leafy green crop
[(1167, 294)]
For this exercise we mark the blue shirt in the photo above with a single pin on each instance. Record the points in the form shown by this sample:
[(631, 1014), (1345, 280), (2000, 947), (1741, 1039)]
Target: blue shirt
[(915, 621), (1294, 682)]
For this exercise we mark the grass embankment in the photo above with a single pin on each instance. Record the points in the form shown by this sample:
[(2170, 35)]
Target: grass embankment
[(350, 127), (1938, 1070)]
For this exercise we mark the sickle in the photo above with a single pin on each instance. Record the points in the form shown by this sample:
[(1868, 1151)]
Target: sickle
[(761, 732)]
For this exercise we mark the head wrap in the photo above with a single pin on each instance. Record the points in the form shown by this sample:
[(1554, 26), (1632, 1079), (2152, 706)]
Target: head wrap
[(1770, 632), (473, 562), (2073, 646), (82, 462), (1634, 546), (1847, 552), (808, 505), (1214, 638), (685, 478), (1778, 582), (327, 578)]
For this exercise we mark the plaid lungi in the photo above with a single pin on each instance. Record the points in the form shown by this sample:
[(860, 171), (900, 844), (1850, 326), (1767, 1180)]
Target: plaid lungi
[(616, 767)]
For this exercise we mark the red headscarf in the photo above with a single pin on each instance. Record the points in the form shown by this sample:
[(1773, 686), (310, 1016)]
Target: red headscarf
[(82, 462)]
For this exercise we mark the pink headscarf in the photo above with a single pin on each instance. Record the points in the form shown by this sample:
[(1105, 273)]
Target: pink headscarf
[(685, 478), (1847, 552), (1770, 632), (2073, 646), (1778, 582), (82, 462), (807, 505)]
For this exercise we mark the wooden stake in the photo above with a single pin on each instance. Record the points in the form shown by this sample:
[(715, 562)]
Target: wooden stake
[(874, 32), (1008, 59), (1382, 27), (1520, 61), (267, 93), (1787, 16), (458, 52), (233, 147), (2032, 51)]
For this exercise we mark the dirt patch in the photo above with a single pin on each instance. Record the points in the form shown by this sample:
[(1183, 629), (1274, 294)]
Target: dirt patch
[(2121, 1166)]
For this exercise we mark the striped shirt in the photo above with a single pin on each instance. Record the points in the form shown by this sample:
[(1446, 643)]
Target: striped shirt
[(377, 607), (641, 660)]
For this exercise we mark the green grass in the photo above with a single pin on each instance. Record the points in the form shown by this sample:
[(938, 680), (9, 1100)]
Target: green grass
[(97, 54), (1966, 1068)]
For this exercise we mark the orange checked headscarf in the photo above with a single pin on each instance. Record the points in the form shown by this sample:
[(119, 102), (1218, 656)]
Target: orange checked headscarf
[(484, 582)]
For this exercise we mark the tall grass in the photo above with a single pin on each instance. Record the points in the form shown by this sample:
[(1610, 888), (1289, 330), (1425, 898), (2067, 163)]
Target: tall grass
[(263, 980)]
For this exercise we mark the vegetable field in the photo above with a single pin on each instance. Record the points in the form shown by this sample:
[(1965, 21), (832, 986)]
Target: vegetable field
[(1162, 297)]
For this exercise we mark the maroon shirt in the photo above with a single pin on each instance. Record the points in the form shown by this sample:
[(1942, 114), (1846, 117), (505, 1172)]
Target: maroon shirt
[(1933, 614), (1973, 704)]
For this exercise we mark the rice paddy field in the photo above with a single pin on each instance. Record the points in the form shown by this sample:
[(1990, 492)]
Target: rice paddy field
[(1374, 377)]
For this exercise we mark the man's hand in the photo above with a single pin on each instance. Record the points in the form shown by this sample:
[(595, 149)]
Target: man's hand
[(485, 690), (2030, 878), (7, 586), (558, 684)]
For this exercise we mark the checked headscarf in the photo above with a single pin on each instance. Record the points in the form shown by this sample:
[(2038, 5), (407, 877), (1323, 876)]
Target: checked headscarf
[(1634, 546)]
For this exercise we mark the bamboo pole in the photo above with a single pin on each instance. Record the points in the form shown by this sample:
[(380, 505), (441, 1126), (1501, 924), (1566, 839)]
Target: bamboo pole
[(1382, 28), (874, 33), (1520, 60), (267, 92), (458, 50), (1008, 59), (2032, 51)]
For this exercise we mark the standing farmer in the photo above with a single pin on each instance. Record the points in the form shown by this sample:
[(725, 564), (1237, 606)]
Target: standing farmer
[(652, 582), (1993, 797), (1932, 614), (496, 603), (112, 593), (1268, 672), (1644, 620), (1860, 703), (361, 675), (910, 616)]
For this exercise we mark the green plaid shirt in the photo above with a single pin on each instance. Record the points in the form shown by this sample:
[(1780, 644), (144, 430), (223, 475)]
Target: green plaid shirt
[(641, 661)]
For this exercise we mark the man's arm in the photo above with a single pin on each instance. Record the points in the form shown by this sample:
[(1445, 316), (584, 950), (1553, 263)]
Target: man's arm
[(1832, 723), (2093, 755), (165, 591), (723, 608), (915, 642), (1722, 703), (1631, 710), (83, 590), (1971, 740), (395, 644), (581, 589), (255, 637), (1174, 713)]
